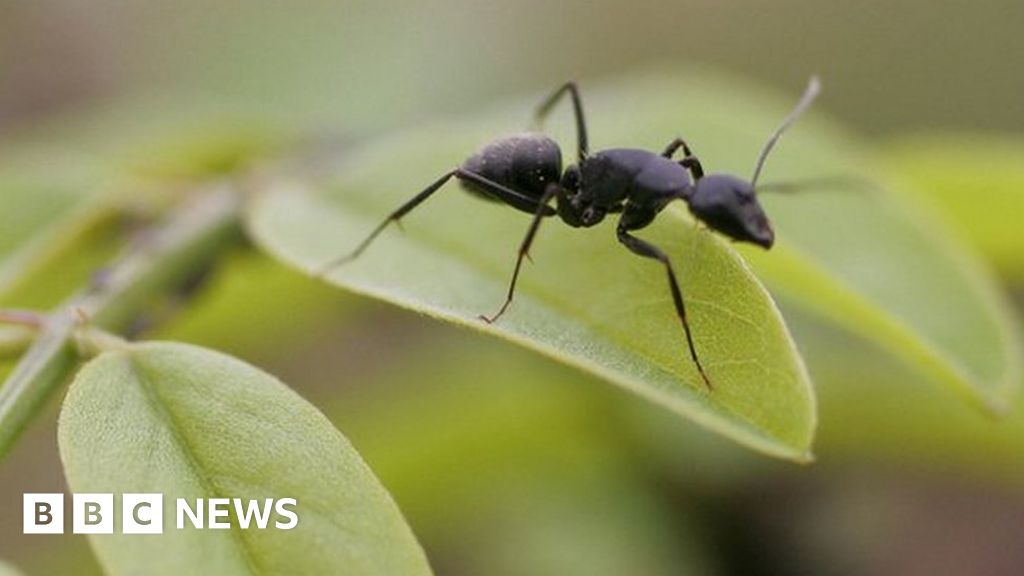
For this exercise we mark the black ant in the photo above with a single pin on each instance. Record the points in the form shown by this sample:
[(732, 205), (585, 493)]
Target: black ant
[(525, 172)]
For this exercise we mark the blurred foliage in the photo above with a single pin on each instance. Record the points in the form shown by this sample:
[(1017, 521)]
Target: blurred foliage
[(524, 466), (889, 65), (250, 304), (560, 472), (977, 180), (874, 409), (508, 462), (39, 187), (162, 137), (50, 212)]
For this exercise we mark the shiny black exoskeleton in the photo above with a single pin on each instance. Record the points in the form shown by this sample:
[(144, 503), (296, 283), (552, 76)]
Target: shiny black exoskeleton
[(525, 172)]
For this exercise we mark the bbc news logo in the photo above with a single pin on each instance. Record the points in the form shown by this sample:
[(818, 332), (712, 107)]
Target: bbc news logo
[(144, 513)]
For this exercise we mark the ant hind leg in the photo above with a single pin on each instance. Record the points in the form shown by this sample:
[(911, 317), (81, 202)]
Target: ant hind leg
[(502, 193)]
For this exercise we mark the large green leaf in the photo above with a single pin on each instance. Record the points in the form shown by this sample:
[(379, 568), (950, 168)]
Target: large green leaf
[(868, 259), (585, 301), (190, 423)]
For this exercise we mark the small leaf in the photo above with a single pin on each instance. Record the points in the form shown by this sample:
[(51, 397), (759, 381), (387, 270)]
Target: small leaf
[(190, 423), (585, 301)]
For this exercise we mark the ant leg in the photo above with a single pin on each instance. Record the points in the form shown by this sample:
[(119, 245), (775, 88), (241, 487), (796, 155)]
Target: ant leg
[(393, 217), (524, 248), (577, 105), (503, 193), (690, 162), (675, 145), (648, 250), (693, 165)]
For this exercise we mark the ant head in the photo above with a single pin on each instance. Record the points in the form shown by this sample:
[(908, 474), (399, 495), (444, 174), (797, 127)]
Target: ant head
[(728, 205)]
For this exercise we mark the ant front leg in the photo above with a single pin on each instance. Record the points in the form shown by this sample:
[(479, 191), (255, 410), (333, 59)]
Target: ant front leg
[(689, 161), (524, 248), (499, 192), (544, 109), (648, 250)]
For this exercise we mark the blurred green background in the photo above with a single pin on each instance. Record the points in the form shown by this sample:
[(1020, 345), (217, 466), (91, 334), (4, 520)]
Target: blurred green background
[(505, 463)]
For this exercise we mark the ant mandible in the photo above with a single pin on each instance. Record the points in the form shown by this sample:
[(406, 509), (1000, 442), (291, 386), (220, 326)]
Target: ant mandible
[(525, 172)]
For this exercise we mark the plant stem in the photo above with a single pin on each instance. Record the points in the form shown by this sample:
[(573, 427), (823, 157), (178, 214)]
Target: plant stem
[(166, 259)]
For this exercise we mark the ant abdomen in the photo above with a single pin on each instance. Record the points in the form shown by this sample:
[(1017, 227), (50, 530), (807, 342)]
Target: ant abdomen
[(527, 163)]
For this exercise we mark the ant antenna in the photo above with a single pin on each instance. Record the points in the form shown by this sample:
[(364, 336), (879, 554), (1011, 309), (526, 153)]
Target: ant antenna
[(813, 87), (842, 183)]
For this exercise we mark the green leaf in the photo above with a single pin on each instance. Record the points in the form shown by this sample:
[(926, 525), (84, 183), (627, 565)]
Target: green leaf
[(585, 301), (978, 182), (191, 423)]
